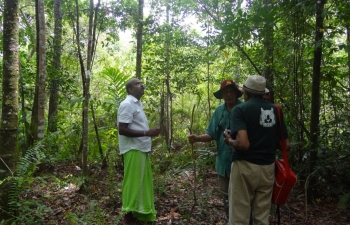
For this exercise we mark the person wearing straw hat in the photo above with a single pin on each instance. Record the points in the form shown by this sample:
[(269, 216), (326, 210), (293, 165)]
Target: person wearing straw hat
[(219, 121), (255, 137)]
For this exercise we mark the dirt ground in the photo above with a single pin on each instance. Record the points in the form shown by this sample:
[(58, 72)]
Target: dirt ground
[(178, 200)]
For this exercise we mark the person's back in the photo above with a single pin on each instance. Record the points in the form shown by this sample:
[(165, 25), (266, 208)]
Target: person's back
[(255, 131), (258, 118)]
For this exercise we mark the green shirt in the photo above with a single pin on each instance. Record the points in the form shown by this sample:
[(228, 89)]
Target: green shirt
[(259, 118), (219, 121)]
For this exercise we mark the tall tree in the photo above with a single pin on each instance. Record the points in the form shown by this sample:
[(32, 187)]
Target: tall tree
[(348, 47), (56, 61), (9, 116), (345, 12), (90, 50), (38, 111), (86, 72), (316, 99), (139, 40), (268, 44), (168, 98), (208, 65)]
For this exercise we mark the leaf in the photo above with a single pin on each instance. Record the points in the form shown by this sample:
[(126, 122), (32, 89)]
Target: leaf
[(226, 54)]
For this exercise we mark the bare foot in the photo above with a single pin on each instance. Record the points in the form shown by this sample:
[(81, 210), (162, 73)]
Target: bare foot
[(129, 219)]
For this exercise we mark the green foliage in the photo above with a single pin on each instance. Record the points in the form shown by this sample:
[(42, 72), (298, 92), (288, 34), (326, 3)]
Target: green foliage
[(230, 45), (30, 212), (94, 215), (114, 87), (113, 187), (344, 200)]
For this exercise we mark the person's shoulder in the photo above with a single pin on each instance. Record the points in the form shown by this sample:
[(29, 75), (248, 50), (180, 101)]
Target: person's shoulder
[(126, 102), (276, 105), (220, 107), (241, 104), (244, 107), (239, 107)]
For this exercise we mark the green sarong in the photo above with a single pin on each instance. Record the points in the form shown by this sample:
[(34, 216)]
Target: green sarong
[(137, 190)]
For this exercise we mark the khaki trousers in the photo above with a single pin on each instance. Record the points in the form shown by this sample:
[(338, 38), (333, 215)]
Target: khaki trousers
[(250, 190)]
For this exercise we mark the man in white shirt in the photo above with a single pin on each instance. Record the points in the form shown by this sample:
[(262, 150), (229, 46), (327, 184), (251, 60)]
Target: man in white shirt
[(134, 144)]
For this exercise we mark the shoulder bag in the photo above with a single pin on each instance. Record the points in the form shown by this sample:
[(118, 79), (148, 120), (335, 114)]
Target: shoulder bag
[(285, 178)]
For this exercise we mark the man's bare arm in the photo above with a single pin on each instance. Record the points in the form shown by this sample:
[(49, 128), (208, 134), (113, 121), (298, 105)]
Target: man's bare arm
[(240, 143)]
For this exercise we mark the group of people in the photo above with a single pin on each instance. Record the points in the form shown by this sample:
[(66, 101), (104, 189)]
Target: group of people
[(247, 137)]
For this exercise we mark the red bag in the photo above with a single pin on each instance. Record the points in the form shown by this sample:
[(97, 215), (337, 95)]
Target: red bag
[(285, 178)]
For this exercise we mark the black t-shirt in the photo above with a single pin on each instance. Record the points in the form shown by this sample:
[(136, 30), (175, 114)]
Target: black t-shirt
[(260, 119)]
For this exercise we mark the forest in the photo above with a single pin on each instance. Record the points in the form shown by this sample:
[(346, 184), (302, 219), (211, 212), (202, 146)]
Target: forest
[(64, 67)]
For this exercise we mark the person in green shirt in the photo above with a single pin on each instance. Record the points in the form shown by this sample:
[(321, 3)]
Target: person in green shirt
[(220, 121)]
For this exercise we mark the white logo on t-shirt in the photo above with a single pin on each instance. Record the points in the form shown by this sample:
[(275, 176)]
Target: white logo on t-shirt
[(267, 118)]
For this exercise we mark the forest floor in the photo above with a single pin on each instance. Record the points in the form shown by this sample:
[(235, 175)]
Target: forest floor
[(99, 201)]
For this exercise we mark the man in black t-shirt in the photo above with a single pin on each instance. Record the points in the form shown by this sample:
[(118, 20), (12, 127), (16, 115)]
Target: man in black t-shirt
[(255, 130), (267, 97)]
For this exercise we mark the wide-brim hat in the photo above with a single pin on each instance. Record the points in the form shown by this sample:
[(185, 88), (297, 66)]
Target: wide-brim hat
[(227, 83), (255, 85)]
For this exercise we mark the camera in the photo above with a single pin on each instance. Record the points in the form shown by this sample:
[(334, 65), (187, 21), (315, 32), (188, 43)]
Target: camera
[(228, 132)]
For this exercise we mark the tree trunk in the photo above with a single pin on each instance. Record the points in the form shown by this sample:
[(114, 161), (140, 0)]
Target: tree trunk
[(57, 52), (168, 98), (104, 158), (9, 116), (297, 98), (81, 63), (38, 111), (269, 49), (162, 120), (208, 70), (315, 98), (86, 87), (139, 41), (85, 74), (348, 46)]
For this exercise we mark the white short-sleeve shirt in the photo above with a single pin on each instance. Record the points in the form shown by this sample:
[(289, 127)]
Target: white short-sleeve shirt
[(130, 111)]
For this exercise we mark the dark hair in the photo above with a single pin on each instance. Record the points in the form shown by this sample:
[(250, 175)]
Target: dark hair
[(254, 95), (129, 84)]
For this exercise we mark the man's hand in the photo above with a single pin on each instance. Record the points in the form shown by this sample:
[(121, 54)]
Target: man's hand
[(227, 137), (152, 132), (192, 138)]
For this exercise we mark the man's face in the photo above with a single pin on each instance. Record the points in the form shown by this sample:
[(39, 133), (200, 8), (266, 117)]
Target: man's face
[(137, 89), (229, 94)]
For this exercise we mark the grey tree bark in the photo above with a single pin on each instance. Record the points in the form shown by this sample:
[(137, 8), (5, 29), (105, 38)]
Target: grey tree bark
[(57, 52), (168, 99), (86, 73), (9, 116), (38, 111), (139, 40)]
